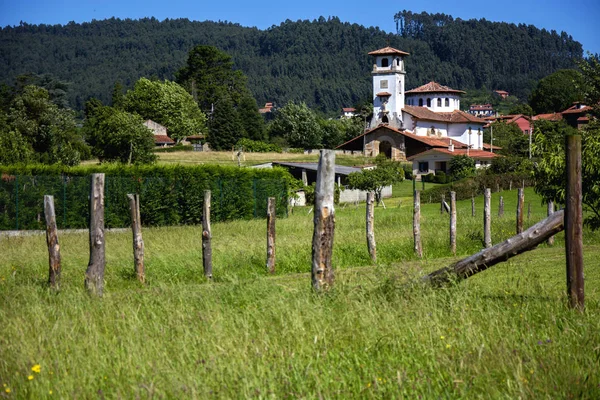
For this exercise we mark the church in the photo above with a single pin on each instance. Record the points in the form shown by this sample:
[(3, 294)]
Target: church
[(423, 125)]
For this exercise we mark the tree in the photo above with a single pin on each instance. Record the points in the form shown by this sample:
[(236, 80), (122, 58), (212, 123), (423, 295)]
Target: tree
[(14, 148), (51, 131), (116, 135), (557, 92), (168, 104), (521, 108), (549, 173), (251, 121), (224, 127), (386, 172), (590, 70), (461, 167), (298, 125), (508, 136)]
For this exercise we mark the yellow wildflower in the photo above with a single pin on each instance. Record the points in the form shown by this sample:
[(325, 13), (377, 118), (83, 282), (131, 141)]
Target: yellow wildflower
[(36, 368), (50, 392), (448, 346), (7, 390), (442, 337), (30, 377)]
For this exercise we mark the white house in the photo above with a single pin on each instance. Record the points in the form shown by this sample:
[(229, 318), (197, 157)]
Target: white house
[(405, 124)]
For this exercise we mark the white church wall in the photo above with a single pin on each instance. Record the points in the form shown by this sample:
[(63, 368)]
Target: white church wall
[(424, 128)]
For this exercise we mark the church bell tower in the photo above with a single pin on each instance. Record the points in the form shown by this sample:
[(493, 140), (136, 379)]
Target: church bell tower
[(388, 87)]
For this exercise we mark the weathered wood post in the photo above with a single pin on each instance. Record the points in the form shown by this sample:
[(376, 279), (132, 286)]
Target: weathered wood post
[(138, 241), (417, 224), (574, 223), (442, 204), (271, 216), (487, 219), (550, 212), (472, 206), (52, 242), (501, 207), (324, 223), (94, 275), (497, 188), (528, 210), (520, 202), (453, 222), (206, 236), (510, 185), (371, 245)]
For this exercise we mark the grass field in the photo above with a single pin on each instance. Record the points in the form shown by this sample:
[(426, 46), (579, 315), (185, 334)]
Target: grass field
[(505, 333), (229, 158)]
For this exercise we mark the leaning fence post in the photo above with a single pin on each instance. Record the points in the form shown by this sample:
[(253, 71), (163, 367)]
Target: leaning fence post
[(521, 201), (442, 203), (52, 242), (487, 220), (372, 247), (417, 224), (501, 206), (206, 236), (550, 240), (94, 275), (324, 223), (574, 223), (271, 216), (453, 222), (138, 241), (472, 206)]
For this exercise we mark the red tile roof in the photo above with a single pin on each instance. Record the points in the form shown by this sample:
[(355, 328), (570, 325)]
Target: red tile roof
[(434, 87), (382, 94), (577, 109), (477, 154), (548, 117), (456, 116), (501, 92), (163, 139), (484, 107), (348, 109), (388, 51)]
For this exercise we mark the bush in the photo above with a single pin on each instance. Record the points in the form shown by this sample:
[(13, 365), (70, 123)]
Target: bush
[(440, 177), (170, 195), (428, 178), (408, 171), (255, 146), (309, 193), (294, 150)]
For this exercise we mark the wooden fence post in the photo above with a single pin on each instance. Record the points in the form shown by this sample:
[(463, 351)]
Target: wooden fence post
[(528, 210), (442, 204), (510, 185), (453, 222), (94, 275), (574, 223), (324, 223), (487, 220), (501, 207), (52, 242), (417, 224), (370, 229), (520, 202), (206, 236), (472, 206), (138, 241), (550, 212), (271, 216)]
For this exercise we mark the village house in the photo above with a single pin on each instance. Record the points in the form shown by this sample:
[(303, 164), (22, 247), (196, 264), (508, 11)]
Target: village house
[(522, 121), (425, 122), (160, 133), (348, 112), (481, 110)]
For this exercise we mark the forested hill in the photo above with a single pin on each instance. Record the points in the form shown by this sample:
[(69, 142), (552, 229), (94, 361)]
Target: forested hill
[(322, 62)]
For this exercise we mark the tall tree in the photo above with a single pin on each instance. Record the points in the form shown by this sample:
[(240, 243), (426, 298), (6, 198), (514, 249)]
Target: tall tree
[(251, 121), (297, 124), (557, 92), (224, 127), (168, 104), (508, 136)]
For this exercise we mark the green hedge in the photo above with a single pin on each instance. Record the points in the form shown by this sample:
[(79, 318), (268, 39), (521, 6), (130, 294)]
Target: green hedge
[(170, 195), (173, 149), (475, 186)]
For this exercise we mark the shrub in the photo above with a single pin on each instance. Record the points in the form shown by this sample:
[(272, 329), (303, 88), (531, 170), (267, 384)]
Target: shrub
[(408, 171), (256, 146), (440, 177), (170, 195), (173, 149)]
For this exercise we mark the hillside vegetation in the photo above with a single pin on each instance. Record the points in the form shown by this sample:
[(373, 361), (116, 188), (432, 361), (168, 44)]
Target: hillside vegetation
[(322, 62)]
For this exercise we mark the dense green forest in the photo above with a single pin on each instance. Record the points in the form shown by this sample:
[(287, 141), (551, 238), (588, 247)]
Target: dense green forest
[(323, 63)]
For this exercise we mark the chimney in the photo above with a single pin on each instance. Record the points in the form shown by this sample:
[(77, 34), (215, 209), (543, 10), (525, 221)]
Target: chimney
[(451, 146)]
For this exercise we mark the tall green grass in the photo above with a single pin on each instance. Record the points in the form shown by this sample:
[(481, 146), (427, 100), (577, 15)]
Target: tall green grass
[(505, 333)]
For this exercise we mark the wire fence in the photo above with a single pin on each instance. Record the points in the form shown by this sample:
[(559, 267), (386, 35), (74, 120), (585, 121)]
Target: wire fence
[(164, 201)]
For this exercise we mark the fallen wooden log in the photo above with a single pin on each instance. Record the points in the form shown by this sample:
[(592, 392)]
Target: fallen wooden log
[(489, 257)]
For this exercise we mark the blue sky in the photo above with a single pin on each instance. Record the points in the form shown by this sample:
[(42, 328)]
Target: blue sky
[(580, 19)]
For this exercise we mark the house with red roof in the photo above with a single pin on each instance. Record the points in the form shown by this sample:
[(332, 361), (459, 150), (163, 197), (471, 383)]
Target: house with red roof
[(522, 121), (348, 112), (160, 133), (502, 93), (481, 110), (425, 121)]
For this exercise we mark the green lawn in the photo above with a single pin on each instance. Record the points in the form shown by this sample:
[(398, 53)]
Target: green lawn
[(505, 333)]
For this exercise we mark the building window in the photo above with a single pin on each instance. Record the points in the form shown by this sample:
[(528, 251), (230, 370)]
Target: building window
[(383, 84), (420, 102), (447, 102), (429, 103), (423, 166), (439, 102), (384, 62)]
